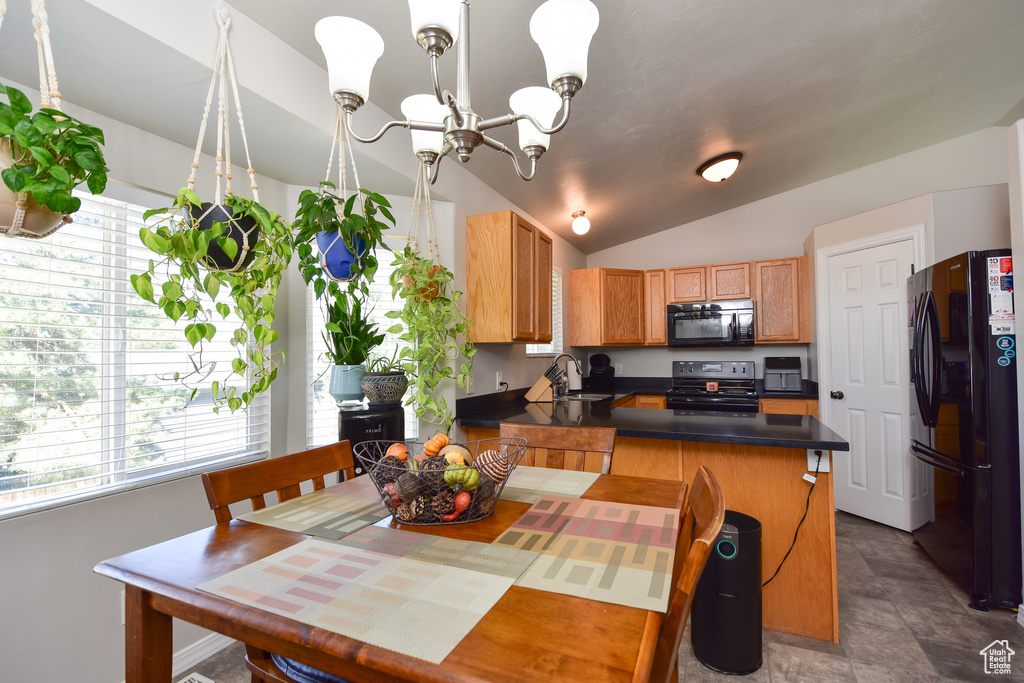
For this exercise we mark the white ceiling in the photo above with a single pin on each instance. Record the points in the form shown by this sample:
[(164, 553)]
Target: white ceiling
[(805, 89)]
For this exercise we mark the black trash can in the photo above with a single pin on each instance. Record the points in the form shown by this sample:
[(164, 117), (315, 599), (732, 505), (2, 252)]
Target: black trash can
[(725, 617)]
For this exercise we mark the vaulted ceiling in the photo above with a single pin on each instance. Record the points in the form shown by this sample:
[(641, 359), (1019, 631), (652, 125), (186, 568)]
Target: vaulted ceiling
[(805, 89)]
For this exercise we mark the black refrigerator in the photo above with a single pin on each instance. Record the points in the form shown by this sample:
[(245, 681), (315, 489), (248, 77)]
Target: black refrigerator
[(964, 421)]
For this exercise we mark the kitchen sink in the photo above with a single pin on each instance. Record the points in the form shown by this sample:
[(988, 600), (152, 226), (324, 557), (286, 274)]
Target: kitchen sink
[(583, 397)]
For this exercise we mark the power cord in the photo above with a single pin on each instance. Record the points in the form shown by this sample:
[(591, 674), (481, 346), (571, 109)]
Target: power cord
[(807, 507)]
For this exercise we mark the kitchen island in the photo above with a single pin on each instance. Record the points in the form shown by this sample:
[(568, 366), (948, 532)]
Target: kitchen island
[(759, 460)]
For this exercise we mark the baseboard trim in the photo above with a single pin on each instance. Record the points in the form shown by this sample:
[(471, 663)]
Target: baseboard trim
[(187, 658)]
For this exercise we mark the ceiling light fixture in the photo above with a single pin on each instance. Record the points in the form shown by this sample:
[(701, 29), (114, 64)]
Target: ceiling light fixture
[(446, 123), (721, 167), (580, 223)]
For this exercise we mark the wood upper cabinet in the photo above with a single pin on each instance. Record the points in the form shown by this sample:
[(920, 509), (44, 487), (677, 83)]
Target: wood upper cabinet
[(782, 303), (655, 314), (687, 285), (727, 281), (606, 307), (719, 282), (508, 279)]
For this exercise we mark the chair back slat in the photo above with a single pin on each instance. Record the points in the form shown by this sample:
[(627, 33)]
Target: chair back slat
[(564, 448), (282, 476), (701, 516)]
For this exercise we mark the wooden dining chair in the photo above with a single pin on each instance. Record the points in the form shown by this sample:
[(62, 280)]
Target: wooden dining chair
[(700, 519), (252, 482), (584, 449)]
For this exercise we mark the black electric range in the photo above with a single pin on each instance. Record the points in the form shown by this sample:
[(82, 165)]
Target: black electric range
[(712, 385)]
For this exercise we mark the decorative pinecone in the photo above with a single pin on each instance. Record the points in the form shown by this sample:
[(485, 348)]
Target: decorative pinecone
[(443, 503), (387, 470), (432, 472), (408, 512)]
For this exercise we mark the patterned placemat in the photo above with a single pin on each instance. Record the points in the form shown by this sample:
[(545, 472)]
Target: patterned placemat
[(604, 551), (412, 593), (530, 484), (331, 513)]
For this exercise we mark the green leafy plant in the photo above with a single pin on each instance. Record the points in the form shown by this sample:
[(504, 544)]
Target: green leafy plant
[(51, 153), (356, 224), (430, 322), (350, 335), (381, 363), (190, 292)]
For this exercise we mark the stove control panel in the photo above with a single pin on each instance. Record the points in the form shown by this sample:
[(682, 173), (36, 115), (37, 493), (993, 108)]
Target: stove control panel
[(731, 369)]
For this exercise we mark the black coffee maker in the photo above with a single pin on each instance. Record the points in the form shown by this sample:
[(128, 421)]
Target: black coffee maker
[(602, 374)]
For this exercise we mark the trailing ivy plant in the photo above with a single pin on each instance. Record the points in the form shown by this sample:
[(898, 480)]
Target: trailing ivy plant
[(51, 153), (430, 322), (325, 211), (205, 298)]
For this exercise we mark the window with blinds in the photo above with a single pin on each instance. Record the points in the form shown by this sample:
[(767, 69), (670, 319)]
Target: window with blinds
[(88, 403), (321, 410), (555, 347)]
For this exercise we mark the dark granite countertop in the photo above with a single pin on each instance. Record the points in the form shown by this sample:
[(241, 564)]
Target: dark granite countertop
[(754, 429)]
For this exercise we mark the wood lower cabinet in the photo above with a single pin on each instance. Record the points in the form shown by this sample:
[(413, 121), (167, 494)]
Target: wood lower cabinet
[(606, 307), (644, 401), (655, 316), (508, 279), (789, 406), (782, 301)]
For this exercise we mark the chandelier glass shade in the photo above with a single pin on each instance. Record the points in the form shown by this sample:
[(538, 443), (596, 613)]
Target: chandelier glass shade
[(562, 28)]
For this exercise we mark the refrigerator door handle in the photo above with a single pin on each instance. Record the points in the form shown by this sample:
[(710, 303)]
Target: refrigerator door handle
[(936, 459), (917, 360), (932, 391)]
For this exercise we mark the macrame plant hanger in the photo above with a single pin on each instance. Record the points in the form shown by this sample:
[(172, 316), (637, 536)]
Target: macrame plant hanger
[(341, 142), (46, 222), (421, 198), (223, 75)]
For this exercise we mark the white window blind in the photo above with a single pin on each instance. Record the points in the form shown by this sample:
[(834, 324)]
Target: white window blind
[(321, 410), (88, 404), (555, 347)]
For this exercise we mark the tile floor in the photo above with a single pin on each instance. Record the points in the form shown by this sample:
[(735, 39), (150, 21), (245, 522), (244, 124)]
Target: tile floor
[(900, 620)]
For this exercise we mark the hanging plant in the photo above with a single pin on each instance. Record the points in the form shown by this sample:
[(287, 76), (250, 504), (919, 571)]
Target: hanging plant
[(430, 321), (45, 155), (232, 249)]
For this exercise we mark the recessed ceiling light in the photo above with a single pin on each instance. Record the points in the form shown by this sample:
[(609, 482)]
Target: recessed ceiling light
[(721, 167)]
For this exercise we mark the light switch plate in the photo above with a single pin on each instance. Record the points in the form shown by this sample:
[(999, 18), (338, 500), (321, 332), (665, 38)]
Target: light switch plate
[(812, 460)]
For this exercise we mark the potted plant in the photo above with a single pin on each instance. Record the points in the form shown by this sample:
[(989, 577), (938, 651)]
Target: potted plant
[(347, 235), (430, 322), (44, 156), (349, 335), (385, 380), (189, 288)]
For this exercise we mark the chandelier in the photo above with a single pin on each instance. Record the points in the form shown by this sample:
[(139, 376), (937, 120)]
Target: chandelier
[(442, 123)]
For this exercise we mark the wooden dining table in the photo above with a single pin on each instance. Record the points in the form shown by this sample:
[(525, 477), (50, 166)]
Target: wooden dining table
[(529, 634)]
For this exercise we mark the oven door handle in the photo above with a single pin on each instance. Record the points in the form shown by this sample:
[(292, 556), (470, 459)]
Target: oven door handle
[(936, 459)]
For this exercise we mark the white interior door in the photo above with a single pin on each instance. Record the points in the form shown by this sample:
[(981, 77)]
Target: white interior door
[(868, 386)]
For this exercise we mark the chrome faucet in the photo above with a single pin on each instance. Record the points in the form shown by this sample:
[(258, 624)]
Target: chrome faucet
[(562, 384)]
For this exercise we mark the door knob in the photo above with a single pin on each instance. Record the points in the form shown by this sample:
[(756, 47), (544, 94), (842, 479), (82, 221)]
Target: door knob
[(838, 395)]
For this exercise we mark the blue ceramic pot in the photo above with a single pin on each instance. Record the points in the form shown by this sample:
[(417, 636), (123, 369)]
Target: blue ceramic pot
[(345, 382), (335, 258)]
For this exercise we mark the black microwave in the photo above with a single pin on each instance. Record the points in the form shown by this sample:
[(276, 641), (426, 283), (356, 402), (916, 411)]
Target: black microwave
[(715, 323)]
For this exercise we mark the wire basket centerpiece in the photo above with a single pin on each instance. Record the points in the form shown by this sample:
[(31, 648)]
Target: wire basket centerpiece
[(437, 482)]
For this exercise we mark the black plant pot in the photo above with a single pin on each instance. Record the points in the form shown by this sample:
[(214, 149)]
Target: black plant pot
[(243, 230)]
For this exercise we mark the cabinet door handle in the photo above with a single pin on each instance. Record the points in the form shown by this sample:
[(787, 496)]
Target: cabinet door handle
[(838, 395)]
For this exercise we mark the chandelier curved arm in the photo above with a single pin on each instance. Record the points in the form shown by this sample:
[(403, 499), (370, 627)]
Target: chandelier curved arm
[(444, 97), (417, 125), (434, 167), (501, 147), (509, 119)]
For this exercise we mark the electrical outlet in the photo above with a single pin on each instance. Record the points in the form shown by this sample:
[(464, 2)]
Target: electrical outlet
[(618, 369), (498, 382), (813, 463), (470, 385)]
